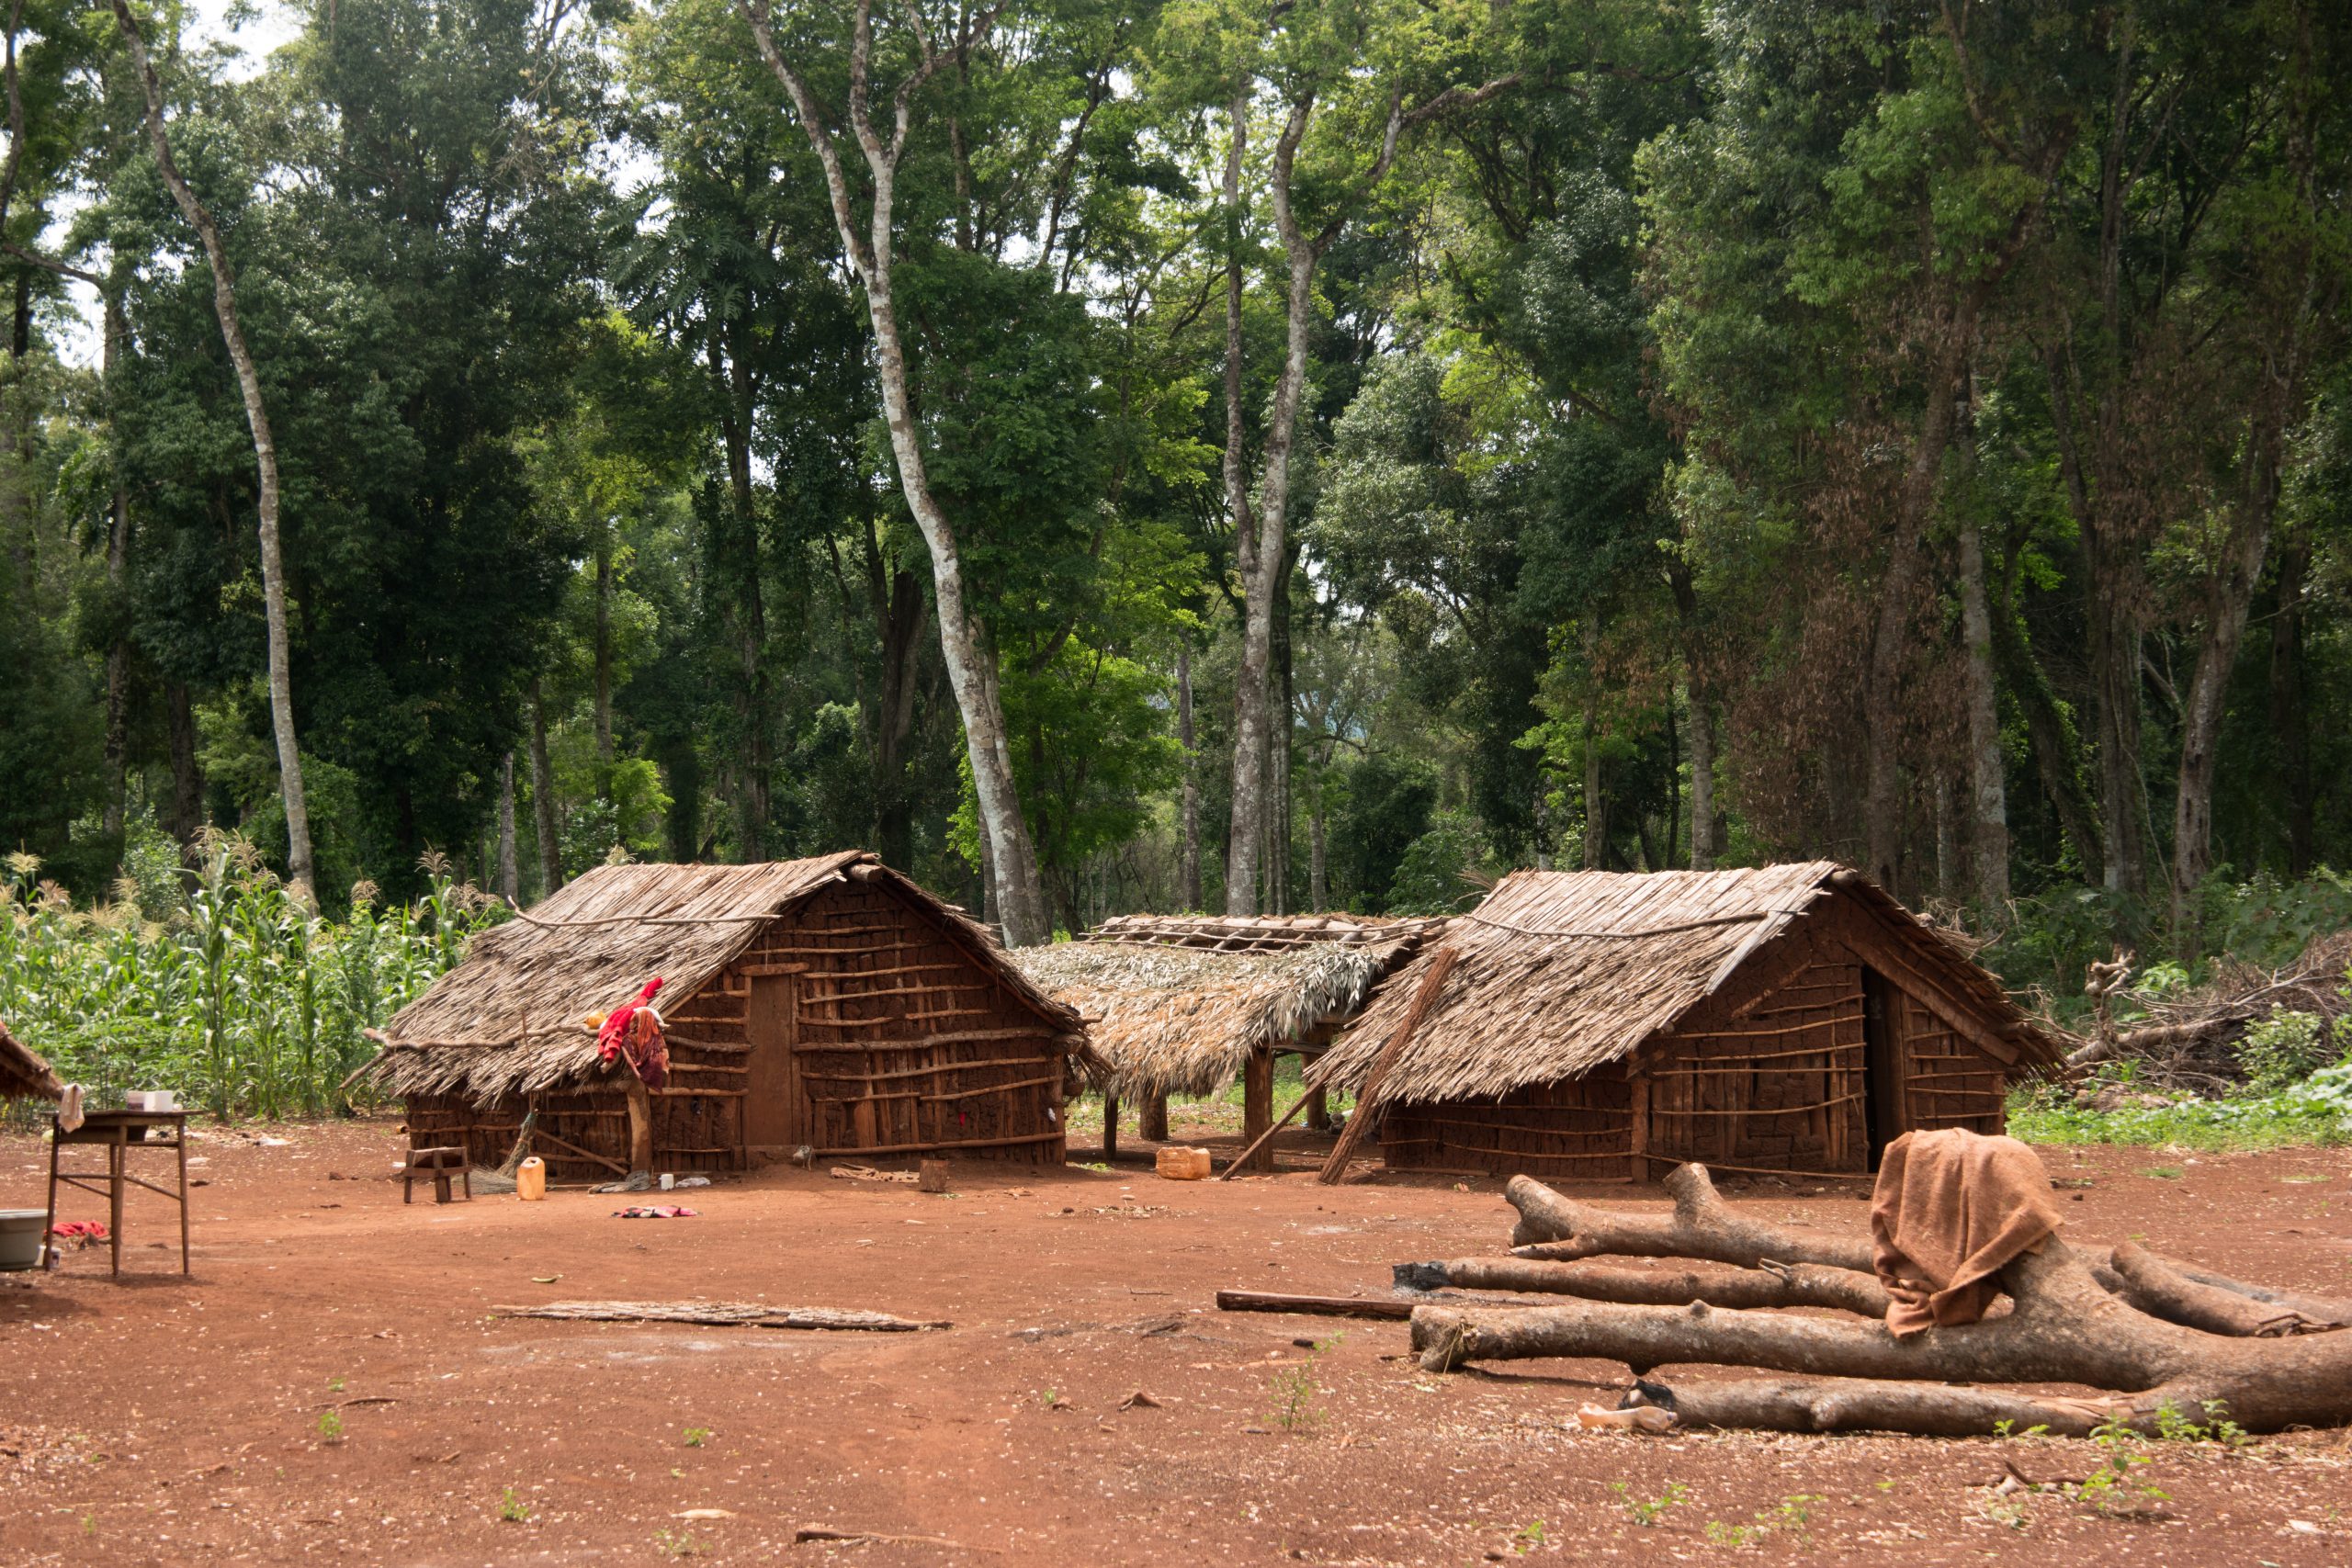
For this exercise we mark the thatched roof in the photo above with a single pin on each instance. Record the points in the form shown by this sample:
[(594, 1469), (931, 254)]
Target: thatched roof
[(506, 1020), (23, 1074), (1559, 972), (1175, 1005), (1261, 934)]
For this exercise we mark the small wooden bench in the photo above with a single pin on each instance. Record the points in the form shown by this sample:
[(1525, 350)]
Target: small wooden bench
[(438, 1164)]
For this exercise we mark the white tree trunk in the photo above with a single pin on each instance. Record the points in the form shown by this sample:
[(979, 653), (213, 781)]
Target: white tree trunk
[(510, 875), (273, 569), (963, 638)]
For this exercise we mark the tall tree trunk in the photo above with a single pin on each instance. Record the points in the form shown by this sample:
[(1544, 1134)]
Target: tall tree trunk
[(2049, 730), (603, 660), (1882, 686), (748, 620), (2228, 596), (963, 633), (117, 585), (510, 874), (1988, 827), (1947, 828), (899, 610), (187, 773), (273, 569), (1318, 859), (1246, 825), (1702, 779), (1595, 792), (2289, 722), (543, 797), (1188, 867), (1278, 761)]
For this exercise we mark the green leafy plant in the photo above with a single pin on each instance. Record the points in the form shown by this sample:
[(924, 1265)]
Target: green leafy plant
[(2121, 1484), (1298, 1391), (676, 1543), (331, 1425), (1647, 1511), (512, 1509), (697, 1436)]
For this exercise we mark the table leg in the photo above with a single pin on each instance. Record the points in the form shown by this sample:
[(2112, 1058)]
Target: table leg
[(116, 1153), (183, 1154), (49, 1242)]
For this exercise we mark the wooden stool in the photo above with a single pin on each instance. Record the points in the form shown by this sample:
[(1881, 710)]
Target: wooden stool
[(437, 1164)]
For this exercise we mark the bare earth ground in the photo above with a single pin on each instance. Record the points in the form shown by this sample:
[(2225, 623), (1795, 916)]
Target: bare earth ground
[(166, 1420)]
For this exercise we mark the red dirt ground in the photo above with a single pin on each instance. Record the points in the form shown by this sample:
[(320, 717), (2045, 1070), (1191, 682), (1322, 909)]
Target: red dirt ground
[(171, 1420)]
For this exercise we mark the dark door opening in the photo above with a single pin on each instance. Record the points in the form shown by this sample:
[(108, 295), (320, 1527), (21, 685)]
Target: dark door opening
[(1883, 1118)]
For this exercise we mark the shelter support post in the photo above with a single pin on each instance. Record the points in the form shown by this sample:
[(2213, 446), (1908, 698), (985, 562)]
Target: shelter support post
[(1151, 1118), (1637, 1087), (641, 1122), (1318, 1111), (1258, 1109), (1110, 1127)]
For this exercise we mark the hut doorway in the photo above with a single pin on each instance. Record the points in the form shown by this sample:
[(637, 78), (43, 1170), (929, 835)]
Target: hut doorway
[(1881, 1063), (776, 1102)]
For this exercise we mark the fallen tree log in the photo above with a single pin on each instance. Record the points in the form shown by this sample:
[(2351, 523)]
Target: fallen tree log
[(1864, 1405), (1702, 1226), (2064, 1328), (1773, 1284), (723, 1315), (1705, 1228)]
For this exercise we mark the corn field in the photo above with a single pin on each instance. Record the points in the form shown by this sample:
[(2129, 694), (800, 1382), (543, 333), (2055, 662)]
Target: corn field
[(241, 998)]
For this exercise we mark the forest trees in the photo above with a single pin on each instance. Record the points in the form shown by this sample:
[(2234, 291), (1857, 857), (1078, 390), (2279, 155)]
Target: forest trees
[(1116, 455)]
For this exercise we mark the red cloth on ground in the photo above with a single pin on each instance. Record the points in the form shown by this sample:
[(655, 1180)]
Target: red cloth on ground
[(88, 1230), (1952, 1208)]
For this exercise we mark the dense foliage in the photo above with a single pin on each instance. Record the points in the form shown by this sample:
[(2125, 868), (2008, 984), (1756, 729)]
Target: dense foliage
[(1915, 434)]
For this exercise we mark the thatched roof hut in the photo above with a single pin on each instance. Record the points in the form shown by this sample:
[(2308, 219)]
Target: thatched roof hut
[(23, 1074), (829, 1002), (1182, 1005), (1794, 1015)]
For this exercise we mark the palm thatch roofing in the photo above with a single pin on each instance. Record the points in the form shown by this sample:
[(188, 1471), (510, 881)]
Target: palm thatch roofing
[(1558, 972), (1175, 1005), (507, 1019), (23, 1074)]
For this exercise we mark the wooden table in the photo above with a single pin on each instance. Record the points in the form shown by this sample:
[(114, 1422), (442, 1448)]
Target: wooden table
[(119, 1132)]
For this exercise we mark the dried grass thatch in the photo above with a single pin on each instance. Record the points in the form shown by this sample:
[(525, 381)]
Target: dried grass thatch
[(1171, 1019), (507, 1019), (1263, 934), (23, 1074), (1558, 972)]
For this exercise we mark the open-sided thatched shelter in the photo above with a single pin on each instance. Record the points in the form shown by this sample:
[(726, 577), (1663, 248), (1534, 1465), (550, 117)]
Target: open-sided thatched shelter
[(829, 1003), (1185, 1004), (1596, 1025), (23, 1074)]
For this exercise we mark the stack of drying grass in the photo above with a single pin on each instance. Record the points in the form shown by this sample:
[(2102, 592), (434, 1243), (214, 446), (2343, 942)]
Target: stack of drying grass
[(1180, 1019)]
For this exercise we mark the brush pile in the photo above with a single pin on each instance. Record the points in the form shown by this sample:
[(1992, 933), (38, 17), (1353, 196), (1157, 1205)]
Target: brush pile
[(2145, 1339), (2187, 1043)]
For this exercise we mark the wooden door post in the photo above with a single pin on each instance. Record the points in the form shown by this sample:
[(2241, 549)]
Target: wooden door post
[(1257, 1106), (1110, 1127)]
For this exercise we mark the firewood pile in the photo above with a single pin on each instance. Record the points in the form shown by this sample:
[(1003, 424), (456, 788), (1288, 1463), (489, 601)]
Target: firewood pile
[(2138, 1334)]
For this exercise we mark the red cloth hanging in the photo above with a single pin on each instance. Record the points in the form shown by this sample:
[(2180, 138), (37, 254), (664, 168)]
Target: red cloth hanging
[(633, 1033)]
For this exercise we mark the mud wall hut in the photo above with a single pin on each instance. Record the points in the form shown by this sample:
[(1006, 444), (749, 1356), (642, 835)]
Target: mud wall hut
[(23, 1074), (1183, 1005), (829, 1003), (1595, 1025)]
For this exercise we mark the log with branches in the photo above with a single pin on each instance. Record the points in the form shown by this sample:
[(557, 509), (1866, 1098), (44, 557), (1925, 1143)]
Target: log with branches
[(2142, 1334)]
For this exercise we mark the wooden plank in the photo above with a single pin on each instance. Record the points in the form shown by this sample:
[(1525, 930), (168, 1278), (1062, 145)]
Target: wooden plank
[(936, 1144), (1314, 1306), (725, 1314)]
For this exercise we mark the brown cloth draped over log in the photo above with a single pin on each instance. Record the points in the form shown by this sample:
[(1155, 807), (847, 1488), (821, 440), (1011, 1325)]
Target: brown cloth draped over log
[(1951, 1210)]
